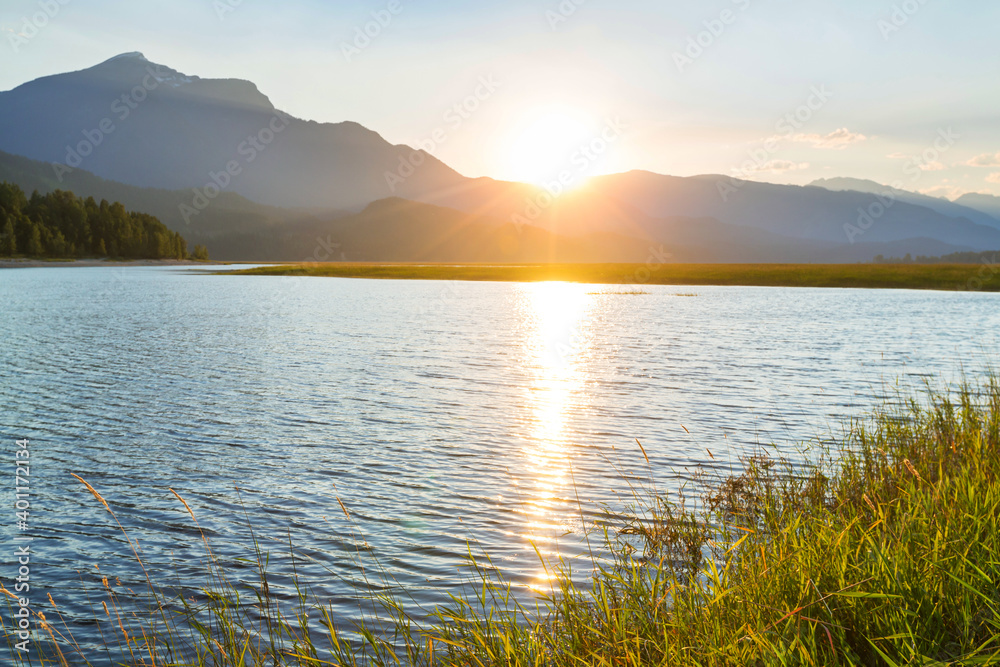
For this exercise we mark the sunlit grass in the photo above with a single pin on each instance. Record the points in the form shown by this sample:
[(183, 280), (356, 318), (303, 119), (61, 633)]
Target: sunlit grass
[(884, 551), (891, 276)]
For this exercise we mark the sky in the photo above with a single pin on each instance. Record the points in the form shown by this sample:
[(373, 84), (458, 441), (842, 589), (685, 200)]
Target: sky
[(783, 91)]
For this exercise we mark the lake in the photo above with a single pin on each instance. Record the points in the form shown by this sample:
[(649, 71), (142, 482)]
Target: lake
[(441, 414)]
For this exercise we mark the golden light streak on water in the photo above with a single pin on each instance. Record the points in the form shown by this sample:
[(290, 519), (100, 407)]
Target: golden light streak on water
[(557, 346)]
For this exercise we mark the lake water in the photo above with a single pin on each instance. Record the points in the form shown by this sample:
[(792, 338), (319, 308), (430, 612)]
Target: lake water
[(441, 414)]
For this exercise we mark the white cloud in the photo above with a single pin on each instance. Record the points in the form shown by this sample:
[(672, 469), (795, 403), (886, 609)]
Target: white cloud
[(932, 166), (985, 160), (781, 166), (949, 192), (836, 140), (993, 178)]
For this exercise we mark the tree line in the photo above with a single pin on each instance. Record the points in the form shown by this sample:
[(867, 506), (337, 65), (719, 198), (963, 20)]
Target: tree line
[(64, 226), (988, 257)]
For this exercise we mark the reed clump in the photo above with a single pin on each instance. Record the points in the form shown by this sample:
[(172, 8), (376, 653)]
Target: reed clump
[(883, 551)]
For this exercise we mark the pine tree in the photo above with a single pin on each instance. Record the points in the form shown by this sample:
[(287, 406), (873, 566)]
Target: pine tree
[(8, 242), (57, 245), (35, 247)]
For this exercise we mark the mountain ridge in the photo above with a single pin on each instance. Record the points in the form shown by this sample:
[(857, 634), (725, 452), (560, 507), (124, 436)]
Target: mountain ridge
[(232, 163), (953, 209), (139, 123)]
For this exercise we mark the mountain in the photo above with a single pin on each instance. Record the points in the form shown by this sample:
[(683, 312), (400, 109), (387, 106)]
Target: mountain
[(236, 229), (987, 204), (397, 230), (215, 160), (231, 227), (405, 231), (793, 211), (144, 124), (228, 212), (633, 202), (943, 206)]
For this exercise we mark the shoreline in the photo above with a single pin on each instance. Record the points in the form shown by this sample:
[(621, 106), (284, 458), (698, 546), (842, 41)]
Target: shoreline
[(94, 263), (945, 277), (938, 277)]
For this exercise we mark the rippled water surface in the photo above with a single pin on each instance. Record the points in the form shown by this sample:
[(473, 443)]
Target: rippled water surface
[(442, 414)]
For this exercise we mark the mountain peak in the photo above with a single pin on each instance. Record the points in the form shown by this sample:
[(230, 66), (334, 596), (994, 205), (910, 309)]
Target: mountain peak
[(842, 183), (132, 55)]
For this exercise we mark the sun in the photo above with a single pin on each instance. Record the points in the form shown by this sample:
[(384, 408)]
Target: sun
[(545, 142)]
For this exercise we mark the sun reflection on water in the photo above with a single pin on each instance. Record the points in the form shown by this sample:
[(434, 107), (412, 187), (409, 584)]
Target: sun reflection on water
[(557, 345)]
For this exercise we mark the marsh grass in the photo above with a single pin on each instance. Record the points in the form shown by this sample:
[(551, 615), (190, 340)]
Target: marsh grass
[(883, 551), (960, 277)]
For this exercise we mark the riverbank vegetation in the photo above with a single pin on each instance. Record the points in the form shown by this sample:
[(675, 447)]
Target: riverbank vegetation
[(63, 226), (887, 276), (981, 258), (884, 551)]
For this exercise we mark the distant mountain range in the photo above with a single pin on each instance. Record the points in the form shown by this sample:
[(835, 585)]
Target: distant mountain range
[(987, 204), (966, 207), (217, 161)]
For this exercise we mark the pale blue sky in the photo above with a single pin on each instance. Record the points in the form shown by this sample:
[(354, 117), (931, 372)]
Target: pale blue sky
[(892, 92)]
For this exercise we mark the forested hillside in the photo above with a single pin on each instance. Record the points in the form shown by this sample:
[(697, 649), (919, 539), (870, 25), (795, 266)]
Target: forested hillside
[(62, 225)]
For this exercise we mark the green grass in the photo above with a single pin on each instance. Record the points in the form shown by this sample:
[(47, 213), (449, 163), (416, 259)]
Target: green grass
[(884, 551), (892, 276)]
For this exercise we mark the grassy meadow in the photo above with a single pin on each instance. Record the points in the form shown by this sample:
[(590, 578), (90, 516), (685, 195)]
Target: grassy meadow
[(884, 551), (887, 276)]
